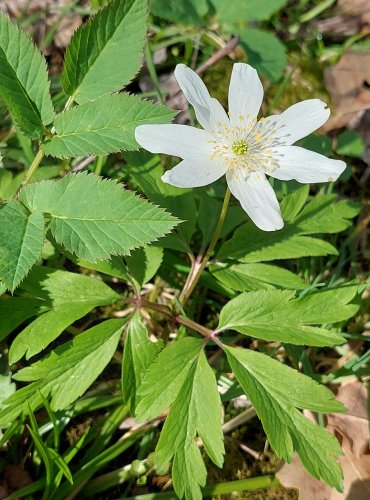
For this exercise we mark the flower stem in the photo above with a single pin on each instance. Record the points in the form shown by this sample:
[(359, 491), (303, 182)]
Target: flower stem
[(32, 169), (196, 273)]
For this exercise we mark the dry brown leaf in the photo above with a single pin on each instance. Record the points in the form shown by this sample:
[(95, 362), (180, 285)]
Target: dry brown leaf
[(348, 84), (351, 17), (352, 427)]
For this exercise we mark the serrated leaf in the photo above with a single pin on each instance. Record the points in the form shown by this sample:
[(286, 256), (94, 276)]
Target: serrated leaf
[(196, 410), (275, 315), (276, 392), (324, 215), (145, 172), (165, 377), (103, 126), (81, 360), (265, 52), (144, 263), (138, 355), (250, 276), (95, 218), (20, 247), (321, 215), (105, 53), (69, 297), (24, 85)]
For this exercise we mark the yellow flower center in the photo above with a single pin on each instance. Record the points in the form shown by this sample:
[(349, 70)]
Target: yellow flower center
[(240, 147)]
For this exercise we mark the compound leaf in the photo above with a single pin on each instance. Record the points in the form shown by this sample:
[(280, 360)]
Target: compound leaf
[(253, 276), (20, 247), (103, 126), (165, 377), (273, 315), (321, 215), (138, 355), (95, 218), (105, 53), (277, 391), (68, 297), (196, 410), (24, 85), (65, 373)]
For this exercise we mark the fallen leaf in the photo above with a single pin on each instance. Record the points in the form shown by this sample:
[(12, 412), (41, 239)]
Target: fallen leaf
[(348, 83), (352, 427)]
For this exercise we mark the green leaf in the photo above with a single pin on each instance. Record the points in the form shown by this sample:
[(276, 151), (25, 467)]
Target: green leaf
[(7, 388), (208, 210), (276, 392), (138, 355), (69, 297), (196, 410), (249, 276), (265, 52), (20, 247), (103, 126), (145, 172), (144, 263), (236, 11), (95, 218), (165, 377), (114, 267), (321, 215), (105, 53), (15, 310), (24, 85), (274, 315), (9, 185), (189, 12), (350, 143), (81, 360)]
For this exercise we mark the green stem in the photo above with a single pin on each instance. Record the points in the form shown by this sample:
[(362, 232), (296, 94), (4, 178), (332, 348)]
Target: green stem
[(33, 167), (199, 267), (253, 483), (153, 72)]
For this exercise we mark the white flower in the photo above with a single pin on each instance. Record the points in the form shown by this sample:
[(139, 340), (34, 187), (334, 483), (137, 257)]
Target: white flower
[(240, 146)]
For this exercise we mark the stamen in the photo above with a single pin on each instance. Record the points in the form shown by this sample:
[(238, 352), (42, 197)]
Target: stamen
[(240, 147)]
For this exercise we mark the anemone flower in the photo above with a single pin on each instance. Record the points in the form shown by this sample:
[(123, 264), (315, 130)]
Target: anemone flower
[(240, 146)]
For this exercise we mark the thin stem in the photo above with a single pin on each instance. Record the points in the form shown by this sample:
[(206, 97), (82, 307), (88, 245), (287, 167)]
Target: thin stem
[(186, 292), (33, 167), (250, 484), (152, 72)]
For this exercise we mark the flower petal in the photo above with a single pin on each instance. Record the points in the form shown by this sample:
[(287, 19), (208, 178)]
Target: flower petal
[(195, 173), (209, 111), (245, 94), (299, 120), (176, 140), (305, 166), (257, 198)]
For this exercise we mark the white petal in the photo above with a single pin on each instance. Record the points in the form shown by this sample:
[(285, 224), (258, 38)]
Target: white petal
[(257, 198), (176, 140), (245, 93), (299, 120), (195, 173), (209, 111), (305, 166)]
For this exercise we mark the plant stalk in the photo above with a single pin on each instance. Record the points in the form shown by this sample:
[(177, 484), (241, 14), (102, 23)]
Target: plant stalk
[(33, 167), (187, 291)]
